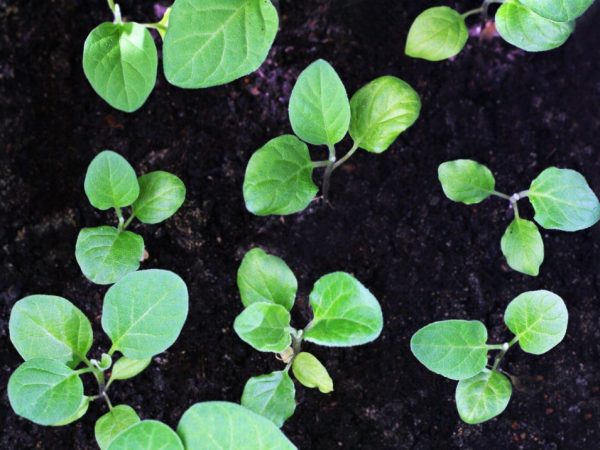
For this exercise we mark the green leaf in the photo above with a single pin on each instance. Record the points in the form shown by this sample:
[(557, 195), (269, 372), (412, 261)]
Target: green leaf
[(455, 349), (212, 42), (523, 247), (110, 181), (146, 435), (210, 425), (264, 326), (45, 391), (483, 396), (563, 200), (144, 312), (345, 312), (466, 181), (436, 34), (309, 371), (272, 396), (161, 195), (83, 408), (523, 28), (163, 24), (319, 108), (105, 254), (278, 178), (558, 10), (46, 326), (111, 424), (126, 368), (120, 62), (538, 319), (264, 278)]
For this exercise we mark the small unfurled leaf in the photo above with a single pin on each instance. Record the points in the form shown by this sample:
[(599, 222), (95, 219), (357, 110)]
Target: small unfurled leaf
[(563, 200), (126, 368), (272, 396), (466, 181), (455, 349), (539, 320), (436, 34), (345, 312), (83, 408), (309, 371), (523, 247), (110, 181), (380, 111), (161, 195), (558, 10), (264, 326), (144, 312), (278, 178), (111, 424), (46, 326), (264, 278), (483, 396), (146, 435), (319, 108)]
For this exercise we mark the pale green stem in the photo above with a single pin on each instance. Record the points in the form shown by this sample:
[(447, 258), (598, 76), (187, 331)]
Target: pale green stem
[(296, 346), (128, 222), (523, 194), (501, 195), (328, 171), (120, 218), (317, 164), (346, 156), (111, 5), (472, 12), (156, 26), (505, 348)]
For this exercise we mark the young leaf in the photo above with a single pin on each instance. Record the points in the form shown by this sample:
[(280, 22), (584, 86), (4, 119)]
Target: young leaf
[(539, 320), (523, 28), (83, 408), (466, 181), (120, 62), (146, 435), (345, 312), (46, 326), (264, 326), (45, 391), (209, 425), (161, 195), (436, 34), (380, 111), (272, 396), (309, 371), (111, 424), (144, 312), (110, 181), (563, 200), (455, 349), (126, 368), (105, 254), (523, 247), (319, 108), (278, 178), (212, 42), (264, 278), (483, 396), (558, 10)]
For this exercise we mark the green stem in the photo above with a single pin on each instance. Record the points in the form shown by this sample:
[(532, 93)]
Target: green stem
[(505, 348), (111, 5), (495, 346), (317, 164), (501, 195), (128, 222), (120, 218), (523, 194), (156, 26), (328, 171), (472, 12), (346, 156)]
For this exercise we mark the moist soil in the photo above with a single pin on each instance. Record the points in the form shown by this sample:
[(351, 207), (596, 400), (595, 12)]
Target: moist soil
[(424, 257)]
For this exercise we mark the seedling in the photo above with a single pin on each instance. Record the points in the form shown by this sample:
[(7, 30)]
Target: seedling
[(345, 314), (279, 175), (532, 25), (105, 254), (561, 198), (206, 43), (458, 349)]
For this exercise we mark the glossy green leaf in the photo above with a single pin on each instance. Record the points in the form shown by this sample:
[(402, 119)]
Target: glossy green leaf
[(558, 10), (223, 425), (455, 349), (436, 34), (563, 200), (309, 371), (272, 396), (264, 326), (278, 178), (466, 181), (523, 247), (83, 408), (161, 195), (146, 435), (105, 254), (46, 326), (538, 319), (111, 424), (110, 181), (319, 108), (45, 391), (144, 312), (483, 396), (212, 42), (126, 368), (345, 312)]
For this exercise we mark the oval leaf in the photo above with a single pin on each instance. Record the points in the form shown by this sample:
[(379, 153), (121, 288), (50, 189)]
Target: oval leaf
[(111, 424), (146, 435), (161, 195), (126, 368), (523, 247), (309, 371), (558, 10), (264, 326), (483, 396), (466, 181), (110, 181), (272, 396)]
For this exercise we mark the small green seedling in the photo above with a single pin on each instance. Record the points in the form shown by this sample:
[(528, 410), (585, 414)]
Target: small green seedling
[(458, 349), (206, 43), (345, 314), (278, 178), (105, 254), (532, 25), (561, 198)]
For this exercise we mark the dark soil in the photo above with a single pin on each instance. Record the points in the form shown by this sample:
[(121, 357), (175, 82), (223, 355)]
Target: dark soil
[(424, 257)]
